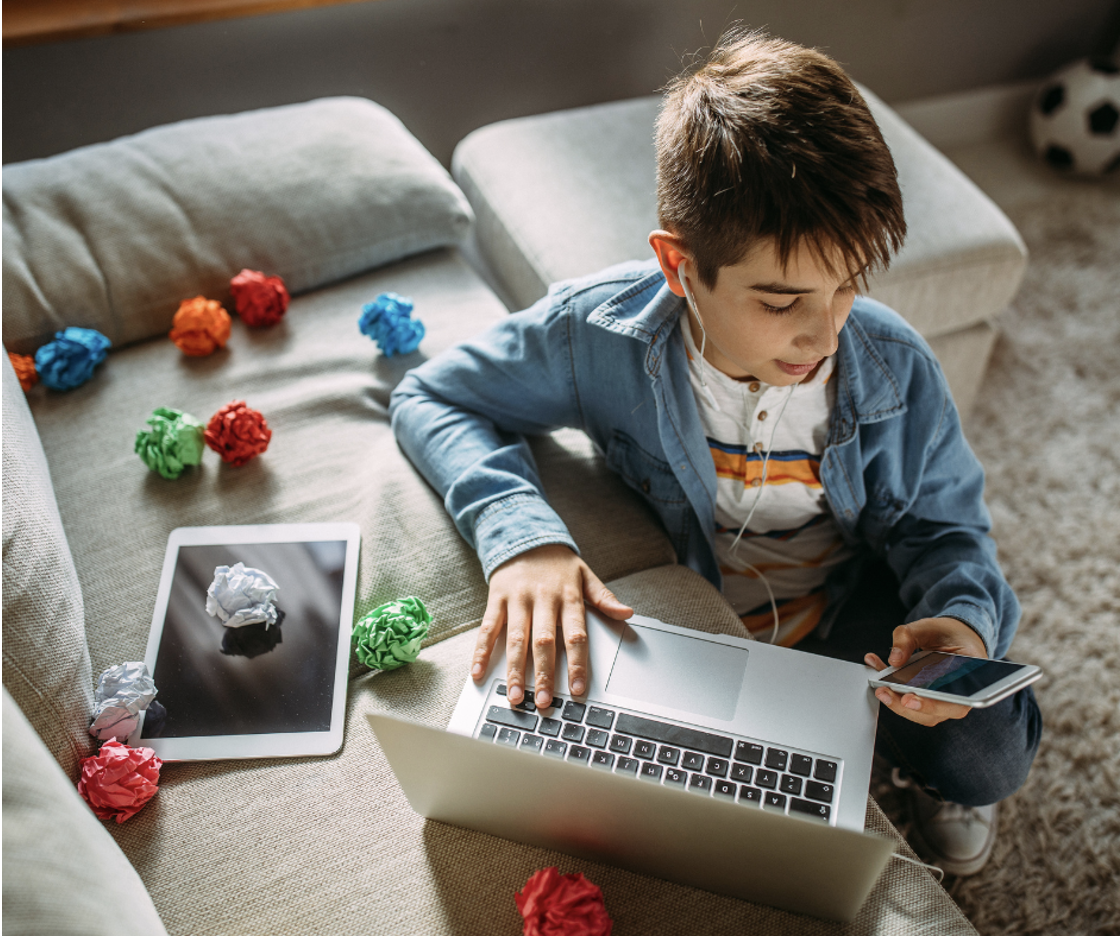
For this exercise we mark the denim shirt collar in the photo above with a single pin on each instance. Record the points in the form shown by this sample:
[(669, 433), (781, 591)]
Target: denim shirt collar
[(646, 311), (867, 392)]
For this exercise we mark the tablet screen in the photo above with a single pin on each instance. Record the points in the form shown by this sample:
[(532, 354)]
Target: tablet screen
[(261, 689), (258, 678)]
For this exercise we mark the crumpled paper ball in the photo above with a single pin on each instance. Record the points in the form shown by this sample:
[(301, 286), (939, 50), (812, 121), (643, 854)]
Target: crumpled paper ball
[(238, 433), (25, 370), (260, 300), (555, 905), (119, 780), (122, 693), (70, 358), (390, 635), (241, 595), (387, 320), (200, 326), (172, 442)]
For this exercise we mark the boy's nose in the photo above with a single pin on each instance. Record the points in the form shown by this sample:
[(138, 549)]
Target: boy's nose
[(822, 337)]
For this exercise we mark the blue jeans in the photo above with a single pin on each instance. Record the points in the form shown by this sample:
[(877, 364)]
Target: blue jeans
[(976, 760)]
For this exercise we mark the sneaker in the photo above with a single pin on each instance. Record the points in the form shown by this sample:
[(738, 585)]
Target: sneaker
[(957, 839)]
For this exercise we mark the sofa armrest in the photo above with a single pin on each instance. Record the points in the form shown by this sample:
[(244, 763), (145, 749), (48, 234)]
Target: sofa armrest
[(63, 873)]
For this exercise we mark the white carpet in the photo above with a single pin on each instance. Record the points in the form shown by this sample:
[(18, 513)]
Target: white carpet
[(1047, 429)]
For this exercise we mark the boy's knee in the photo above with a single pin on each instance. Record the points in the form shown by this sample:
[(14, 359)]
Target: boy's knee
[(982, 759)]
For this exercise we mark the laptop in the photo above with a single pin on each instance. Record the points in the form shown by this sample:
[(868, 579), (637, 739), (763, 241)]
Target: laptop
[(707, 760)]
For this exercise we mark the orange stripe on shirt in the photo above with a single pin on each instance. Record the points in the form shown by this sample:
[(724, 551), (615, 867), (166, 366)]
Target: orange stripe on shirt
[(748, 468), (811, 606)]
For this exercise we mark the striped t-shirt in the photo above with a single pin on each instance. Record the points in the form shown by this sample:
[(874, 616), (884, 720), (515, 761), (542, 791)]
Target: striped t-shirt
[(792, 538)]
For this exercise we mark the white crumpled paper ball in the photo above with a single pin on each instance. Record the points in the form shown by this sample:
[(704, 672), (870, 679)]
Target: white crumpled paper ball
[(122, 693), (241, 595)]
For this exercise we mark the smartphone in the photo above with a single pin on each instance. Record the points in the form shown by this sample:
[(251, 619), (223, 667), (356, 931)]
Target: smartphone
[(965, 680)]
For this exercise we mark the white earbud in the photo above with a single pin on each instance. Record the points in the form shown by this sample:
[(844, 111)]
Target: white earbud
[(682, 273)]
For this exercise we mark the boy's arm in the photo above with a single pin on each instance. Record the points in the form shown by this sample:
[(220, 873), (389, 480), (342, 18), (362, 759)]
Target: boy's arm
[(461, 419), (940, 548), (945, 561)]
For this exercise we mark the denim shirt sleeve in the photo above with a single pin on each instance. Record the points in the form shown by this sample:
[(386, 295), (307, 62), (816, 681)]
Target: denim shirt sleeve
[(461, 419), (939, 545)]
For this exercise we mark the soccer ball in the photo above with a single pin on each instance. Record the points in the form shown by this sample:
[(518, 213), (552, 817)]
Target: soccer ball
[(1075, 119)]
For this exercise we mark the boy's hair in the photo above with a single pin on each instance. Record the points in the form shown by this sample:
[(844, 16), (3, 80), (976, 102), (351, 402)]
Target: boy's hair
[(768, 139)]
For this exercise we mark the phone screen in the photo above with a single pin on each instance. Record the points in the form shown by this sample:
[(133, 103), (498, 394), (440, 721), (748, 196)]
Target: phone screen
[(955, 675)]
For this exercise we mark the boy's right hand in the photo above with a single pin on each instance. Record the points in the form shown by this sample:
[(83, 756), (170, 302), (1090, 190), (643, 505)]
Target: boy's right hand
[(530, 595)]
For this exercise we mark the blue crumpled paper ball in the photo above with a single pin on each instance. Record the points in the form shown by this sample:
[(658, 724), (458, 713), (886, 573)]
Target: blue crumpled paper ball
[(70, 358), (388, 321)]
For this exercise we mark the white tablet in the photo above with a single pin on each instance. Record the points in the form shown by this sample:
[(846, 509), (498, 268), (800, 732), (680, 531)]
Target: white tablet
[(261, 689)]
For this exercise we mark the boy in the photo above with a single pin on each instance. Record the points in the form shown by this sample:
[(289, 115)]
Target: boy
[(797, 441)]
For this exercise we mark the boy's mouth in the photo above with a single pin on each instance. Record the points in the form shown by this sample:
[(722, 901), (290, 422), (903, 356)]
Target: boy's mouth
[(792, 368)]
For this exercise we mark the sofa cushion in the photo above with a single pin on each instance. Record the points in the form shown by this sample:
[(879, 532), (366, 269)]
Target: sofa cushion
[(331, 846), (324, 390), (565, 194), (115, 235), (46, 660), (63, 874)]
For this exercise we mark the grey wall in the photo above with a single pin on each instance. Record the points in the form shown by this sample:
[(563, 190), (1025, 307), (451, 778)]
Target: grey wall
[(449, 66)]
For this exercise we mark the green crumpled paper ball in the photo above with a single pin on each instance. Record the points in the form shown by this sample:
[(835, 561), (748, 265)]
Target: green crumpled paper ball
[(390, 635), (172, 442)]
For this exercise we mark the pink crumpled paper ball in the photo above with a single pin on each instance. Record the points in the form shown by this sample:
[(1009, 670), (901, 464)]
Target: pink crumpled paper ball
[(119, 780)]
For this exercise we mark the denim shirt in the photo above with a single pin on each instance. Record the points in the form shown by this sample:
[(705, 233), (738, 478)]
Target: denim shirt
[(605, 354)]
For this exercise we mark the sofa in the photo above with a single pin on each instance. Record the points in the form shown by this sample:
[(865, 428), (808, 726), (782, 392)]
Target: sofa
[(339, 199)]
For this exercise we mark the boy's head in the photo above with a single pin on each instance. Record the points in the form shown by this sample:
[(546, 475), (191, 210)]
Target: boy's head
[(771, 142)]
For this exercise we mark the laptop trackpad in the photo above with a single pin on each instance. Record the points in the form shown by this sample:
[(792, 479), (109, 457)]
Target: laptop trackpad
[(685, 672)]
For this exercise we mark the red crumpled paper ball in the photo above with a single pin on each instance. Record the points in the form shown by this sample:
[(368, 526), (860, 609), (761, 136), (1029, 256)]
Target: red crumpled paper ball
[(119, 780), (238, 433), (200, 326), (25, 370), (556, 905), (260, 300)]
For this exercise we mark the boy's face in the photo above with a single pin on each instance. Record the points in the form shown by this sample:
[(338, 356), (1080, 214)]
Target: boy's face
[(763, 320)]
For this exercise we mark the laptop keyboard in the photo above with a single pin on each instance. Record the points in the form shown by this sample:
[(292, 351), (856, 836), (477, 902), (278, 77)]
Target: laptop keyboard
[(707, 763)]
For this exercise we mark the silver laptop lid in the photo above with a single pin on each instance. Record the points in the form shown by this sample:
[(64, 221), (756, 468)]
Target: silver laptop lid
[(798, 865)]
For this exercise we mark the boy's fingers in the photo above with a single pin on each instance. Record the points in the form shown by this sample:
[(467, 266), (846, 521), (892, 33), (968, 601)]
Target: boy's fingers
[(922, 711), (904, 645), (575, 644), (544, 652), (518, 624), (492, 622), (601, 597), (874, 662)]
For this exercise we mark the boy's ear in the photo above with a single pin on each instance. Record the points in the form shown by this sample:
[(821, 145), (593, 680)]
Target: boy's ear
[(671, 251)]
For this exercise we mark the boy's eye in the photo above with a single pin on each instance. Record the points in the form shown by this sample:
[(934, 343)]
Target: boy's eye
[(770, 308)]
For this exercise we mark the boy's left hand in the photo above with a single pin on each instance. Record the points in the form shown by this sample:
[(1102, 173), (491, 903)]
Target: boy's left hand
[(933, 633)]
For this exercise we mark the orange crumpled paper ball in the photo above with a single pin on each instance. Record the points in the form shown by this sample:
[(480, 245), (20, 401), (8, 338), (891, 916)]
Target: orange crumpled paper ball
[(200, 326), (25, 370), (260, 300), (555, 905), (238, 433), (119, 780)]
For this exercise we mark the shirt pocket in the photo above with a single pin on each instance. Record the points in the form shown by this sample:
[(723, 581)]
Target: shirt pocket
[(648, 475)]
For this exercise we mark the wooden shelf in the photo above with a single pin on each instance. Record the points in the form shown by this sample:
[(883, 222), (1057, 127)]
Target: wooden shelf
[(27, 22)]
